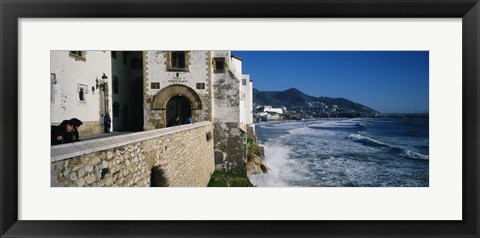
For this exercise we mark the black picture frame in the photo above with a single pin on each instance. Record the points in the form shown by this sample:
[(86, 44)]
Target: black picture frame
[(12, 10)]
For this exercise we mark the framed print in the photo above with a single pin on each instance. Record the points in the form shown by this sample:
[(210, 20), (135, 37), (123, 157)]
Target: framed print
[(371, 110)]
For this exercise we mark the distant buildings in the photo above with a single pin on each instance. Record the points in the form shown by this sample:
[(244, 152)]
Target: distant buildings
[(267, 113)]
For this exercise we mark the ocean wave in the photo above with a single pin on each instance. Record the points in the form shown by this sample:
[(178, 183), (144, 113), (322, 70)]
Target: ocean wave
[(360, 125), (282, 168), (340, 153), (340, 125), (336, 123), (408, 154), (277, 160), (405, 153), (368, 141), (301, 131)]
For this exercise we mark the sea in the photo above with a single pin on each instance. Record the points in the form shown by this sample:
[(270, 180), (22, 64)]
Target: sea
[(358, 152)]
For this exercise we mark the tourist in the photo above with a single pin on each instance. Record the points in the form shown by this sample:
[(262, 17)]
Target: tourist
[(107, 122), (76, 124), (173, 121), (62, 133), (189, 120)]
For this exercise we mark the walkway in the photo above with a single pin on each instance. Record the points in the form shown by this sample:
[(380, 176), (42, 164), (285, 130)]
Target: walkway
[(104, 141)]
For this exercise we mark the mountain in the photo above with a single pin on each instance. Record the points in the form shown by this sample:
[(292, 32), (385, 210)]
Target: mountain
[(297, 101)]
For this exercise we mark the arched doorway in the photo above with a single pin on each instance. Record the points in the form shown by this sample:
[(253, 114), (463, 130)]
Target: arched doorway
[(176, 99), (178, 106)]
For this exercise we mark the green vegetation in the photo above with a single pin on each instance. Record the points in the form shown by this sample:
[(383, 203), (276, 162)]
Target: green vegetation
[(251, 147), (227, 179)]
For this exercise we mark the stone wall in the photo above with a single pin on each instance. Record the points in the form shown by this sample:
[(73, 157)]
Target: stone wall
[(178, 157), (230, 136), (230, 148)]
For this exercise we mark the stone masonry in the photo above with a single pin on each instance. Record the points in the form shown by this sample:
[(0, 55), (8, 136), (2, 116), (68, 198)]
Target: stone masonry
[(230, 138), (181, 156), (156, 71)]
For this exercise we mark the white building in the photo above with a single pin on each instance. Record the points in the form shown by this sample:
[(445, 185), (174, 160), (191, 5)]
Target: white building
[(77, 89), (274, 110), (248, 87), (270, 113)]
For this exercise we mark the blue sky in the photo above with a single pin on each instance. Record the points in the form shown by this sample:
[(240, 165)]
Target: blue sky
[(387, 81)]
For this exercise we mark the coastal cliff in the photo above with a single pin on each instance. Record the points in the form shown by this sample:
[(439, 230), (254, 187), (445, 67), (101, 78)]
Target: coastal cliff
[(255, 154)]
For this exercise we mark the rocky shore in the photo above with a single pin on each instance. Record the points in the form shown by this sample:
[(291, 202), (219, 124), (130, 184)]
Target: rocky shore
[(255, 155)]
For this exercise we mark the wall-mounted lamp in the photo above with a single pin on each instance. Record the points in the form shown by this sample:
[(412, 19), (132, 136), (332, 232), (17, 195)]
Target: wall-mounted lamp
[(103, 83)]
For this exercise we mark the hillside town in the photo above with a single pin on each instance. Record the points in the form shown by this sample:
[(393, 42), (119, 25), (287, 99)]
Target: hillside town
[(308, 111), (292, 104)]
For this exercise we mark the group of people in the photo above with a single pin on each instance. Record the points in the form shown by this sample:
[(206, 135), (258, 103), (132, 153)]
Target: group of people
[(66, 132), (175, 121)]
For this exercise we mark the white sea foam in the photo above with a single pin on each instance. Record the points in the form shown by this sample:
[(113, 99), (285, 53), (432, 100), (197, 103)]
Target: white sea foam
[(336, 152), (281, 168), (329, 123), (326, 124), (361, 138), (302, 131), (404, 152), (413, 155)]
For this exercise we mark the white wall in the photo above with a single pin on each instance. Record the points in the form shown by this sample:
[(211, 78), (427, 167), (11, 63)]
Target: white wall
[(243, 103), (69, 72), (197, 72), (226, 90), (248, 100), (236, 67)]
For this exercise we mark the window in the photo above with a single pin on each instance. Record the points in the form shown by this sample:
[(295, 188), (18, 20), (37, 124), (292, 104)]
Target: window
[(177, 61), (200, 85), (244, 82), (219, 65), (78, 55), (115, 84), (81, 95), (82, 89), (116, 109), (114, 54)]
